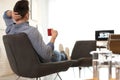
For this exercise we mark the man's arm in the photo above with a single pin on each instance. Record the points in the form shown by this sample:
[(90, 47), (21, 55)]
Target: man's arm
[(54, 35), (53, 38), (9, 18)]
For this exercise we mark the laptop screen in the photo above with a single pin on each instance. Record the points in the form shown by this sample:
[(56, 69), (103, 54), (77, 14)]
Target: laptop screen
[(102, 35)]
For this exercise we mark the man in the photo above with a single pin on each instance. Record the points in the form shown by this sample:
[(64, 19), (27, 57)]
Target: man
[(17, 22)]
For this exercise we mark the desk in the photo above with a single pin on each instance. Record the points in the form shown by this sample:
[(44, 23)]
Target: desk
[(101, 47), (102, 59)]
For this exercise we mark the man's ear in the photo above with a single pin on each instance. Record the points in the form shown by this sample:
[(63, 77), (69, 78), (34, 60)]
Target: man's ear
[(27, 16)]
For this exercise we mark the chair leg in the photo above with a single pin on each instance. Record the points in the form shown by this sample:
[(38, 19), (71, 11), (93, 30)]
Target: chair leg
[(18, 77), (79, 72), (55, 77), (58, 76)]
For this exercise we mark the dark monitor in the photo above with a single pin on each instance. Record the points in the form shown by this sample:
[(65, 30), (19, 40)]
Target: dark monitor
[(102, 35)]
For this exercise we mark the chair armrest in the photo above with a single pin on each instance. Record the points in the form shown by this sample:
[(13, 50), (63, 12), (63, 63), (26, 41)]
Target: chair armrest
[(51, 67), (82, 62)]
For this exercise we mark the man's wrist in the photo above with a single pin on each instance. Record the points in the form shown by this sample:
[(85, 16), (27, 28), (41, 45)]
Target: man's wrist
[(52, 40), (9, 13)]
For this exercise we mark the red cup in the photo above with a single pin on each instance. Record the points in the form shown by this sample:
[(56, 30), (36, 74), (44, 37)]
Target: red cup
[(49, 32)]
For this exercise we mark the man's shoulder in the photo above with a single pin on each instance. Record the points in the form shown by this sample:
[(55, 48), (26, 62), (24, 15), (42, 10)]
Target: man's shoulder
[(32, 28)]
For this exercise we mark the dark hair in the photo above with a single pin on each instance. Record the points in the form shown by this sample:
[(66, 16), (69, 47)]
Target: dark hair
[(22, 7)]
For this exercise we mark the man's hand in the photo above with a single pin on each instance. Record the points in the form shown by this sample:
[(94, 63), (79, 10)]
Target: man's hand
[(16, 16), (9, 13), (13, 15), (54, 35)]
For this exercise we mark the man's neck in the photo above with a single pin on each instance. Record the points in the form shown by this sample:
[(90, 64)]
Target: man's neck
[(21, 21)]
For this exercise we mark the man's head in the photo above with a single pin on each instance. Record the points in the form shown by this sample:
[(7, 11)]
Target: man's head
[(22, 9)]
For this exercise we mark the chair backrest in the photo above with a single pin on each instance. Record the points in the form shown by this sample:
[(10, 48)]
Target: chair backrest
[(114, 43), (21, 55), (82, 49)]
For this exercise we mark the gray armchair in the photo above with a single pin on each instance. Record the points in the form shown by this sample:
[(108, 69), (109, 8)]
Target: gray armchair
[(24, 60), (81, 51)]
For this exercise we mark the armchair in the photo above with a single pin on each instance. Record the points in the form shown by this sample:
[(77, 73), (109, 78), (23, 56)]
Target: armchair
[(81, 51), (114, 43), (24, 60)]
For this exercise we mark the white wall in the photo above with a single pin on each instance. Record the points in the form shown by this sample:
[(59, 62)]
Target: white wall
[(4, 66), (40, 16), (39, 19), (78, 19)]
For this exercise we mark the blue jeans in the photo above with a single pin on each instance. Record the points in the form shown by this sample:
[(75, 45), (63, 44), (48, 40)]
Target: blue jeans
[(59, 56)]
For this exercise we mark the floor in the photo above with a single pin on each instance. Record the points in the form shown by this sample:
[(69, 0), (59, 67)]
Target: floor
[(12, 77), (71, 74)]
